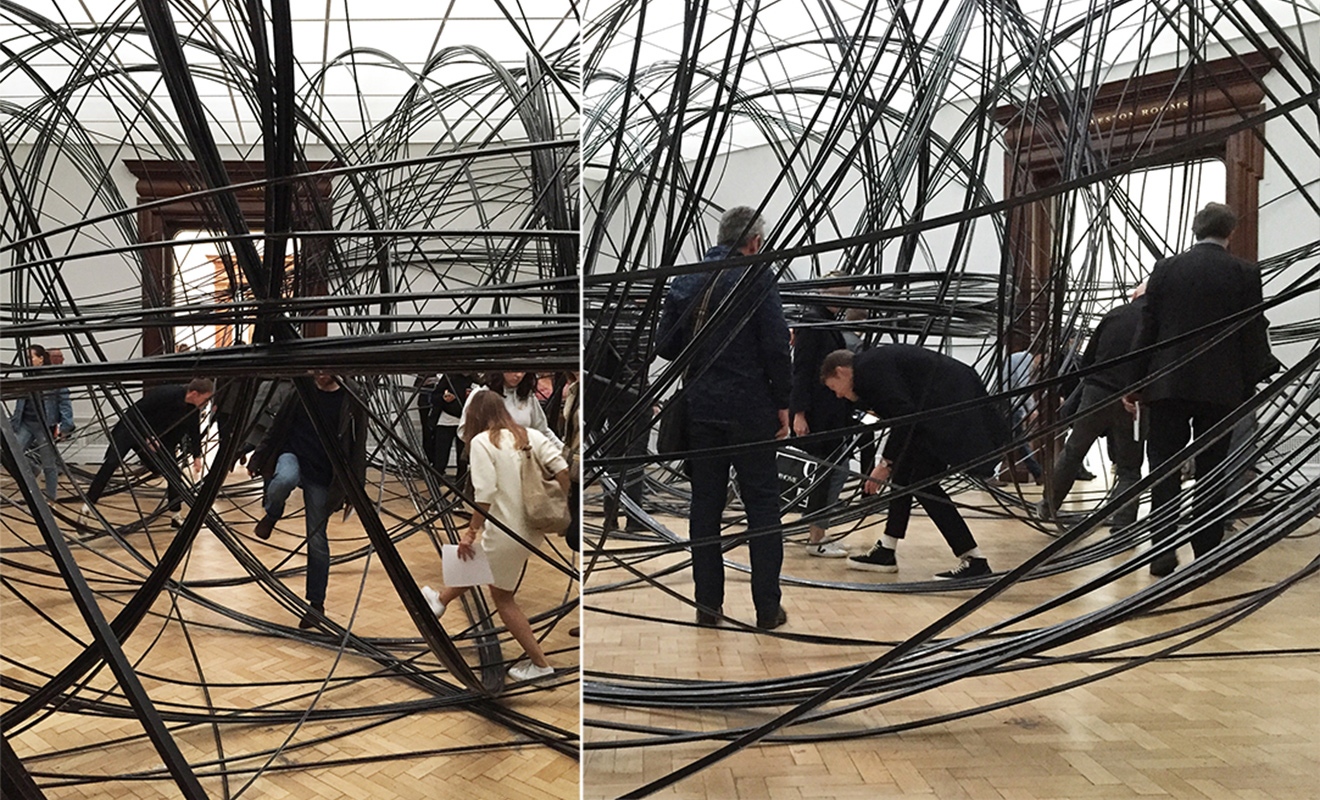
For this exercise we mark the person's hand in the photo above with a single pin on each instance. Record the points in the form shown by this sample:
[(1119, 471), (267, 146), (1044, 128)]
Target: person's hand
[(55, 433), (465, 544), (879, 475), (1130, 403), (782, 433), (800, 427), (153, 444), (198, 466)]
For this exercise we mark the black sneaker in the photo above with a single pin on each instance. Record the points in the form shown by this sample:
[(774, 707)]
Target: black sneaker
[(710, 619), (969, 568), (312, 617), (770, 624), (264, 527), (879, 559), (1164, 565)]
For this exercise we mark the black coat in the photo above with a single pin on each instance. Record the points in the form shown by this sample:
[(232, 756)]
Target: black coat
[(351, 439), (169, 417), (824, 410), (897, 380), (743, 372), (1188, 291), (1113, 339)]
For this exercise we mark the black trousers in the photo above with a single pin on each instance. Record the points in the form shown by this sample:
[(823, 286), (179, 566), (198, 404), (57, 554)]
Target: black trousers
[(1094, 420), (1171, 425), (758, 483), (446, 440), (915, 465), (427, 414), (122, 442)]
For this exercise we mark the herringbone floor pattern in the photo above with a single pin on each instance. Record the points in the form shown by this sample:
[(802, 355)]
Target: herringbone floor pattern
[(1208, 727), (388, 754)]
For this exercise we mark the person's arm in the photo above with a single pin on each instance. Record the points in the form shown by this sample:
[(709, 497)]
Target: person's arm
[(772, 339), (468, 539), (1148, 332), (671, 333), (462, 417), (65, 401), (540, 423), (806, 360)]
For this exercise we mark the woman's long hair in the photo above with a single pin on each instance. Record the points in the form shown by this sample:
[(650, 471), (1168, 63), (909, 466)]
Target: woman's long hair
[(495, 382), (41, 353), (486, 412)]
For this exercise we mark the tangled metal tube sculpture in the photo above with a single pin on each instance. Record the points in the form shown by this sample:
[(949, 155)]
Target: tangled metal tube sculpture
[(918, 152), (374, 211)]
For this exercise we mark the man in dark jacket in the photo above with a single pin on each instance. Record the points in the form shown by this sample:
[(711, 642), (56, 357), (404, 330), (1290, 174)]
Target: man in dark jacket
[(1194, 291), (737, 394), (154, 428), (817, 410), (899, 380), (1111, 341), (293, 454)]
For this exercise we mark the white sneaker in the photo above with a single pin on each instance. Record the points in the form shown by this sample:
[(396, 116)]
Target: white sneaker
[(86, 510), (176, 519), (433, 600), (527, 671), (827, 550)]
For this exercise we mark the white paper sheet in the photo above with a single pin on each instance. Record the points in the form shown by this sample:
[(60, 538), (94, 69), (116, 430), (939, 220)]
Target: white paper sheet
[(475, 572)]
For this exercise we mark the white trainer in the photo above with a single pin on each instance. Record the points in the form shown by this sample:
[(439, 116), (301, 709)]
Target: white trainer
[(827, 550), (433, 600), (527, 671)]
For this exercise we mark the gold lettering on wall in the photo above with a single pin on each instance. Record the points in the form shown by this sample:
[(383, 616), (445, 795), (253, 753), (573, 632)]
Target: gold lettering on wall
[(1142, 112)]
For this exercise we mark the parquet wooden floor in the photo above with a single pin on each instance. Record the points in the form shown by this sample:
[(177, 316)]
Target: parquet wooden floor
[(246, 668), (1216, 726)]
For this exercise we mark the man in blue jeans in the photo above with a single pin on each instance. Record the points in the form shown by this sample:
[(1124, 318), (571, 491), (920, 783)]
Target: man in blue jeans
[(737, 391), (294, 454)]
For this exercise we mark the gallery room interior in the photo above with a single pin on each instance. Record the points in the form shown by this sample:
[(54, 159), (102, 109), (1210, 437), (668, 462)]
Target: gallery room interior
[(250, 207)]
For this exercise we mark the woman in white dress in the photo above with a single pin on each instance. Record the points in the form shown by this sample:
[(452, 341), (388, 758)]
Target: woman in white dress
[(519, 392), (495, 466)]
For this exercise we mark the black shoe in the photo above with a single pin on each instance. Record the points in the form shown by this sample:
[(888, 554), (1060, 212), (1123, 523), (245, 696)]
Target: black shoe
[(1164, 565), (1084, 474), (710, 619), (1043, 510), (264, 526), (879, 559), (771, 624), (969, 568), (1121, 520), (311, 619)]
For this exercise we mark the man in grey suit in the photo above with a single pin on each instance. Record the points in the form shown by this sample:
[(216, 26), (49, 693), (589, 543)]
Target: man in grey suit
[(1193, 291)]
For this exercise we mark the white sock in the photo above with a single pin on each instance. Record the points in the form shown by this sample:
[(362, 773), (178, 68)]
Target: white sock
[(888, 542), (975, 552)]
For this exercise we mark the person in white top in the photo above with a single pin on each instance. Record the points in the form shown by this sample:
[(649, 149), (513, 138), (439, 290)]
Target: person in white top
[(519, 392), (495, 468)]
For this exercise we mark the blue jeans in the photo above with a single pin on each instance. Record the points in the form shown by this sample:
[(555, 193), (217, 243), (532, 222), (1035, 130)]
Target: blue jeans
[(30, 432), (316, 502), (758, 483)]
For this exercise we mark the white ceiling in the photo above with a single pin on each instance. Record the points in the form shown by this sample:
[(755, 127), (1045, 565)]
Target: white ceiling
[(355, 90)]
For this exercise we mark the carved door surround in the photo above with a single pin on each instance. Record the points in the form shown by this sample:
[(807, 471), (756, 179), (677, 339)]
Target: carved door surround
[(1138, 117), (162, 180)]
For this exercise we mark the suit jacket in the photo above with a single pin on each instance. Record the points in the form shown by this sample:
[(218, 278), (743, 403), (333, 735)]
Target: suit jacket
[(1193, 290), (744, 372), (824, 410), (350, 438), (898, 379), (1113, 339)]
